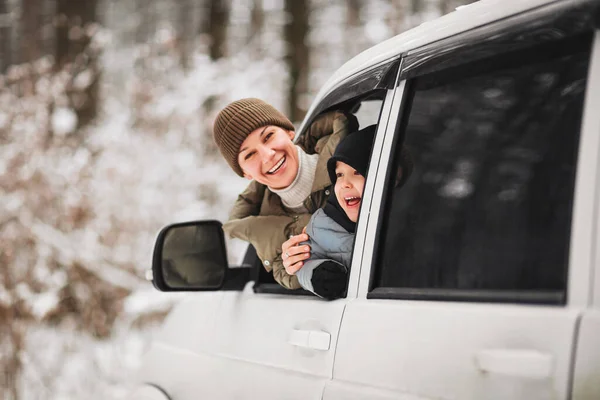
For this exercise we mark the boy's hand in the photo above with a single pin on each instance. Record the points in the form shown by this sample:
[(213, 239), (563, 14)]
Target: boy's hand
[(330, 280), (294, 254)]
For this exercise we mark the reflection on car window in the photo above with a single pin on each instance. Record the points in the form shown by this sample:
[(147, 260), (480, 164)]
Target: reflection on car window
[(489, 203)]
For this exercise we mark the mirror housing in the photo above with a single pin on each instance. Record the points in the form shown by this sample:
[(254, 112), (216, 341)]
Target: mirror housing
[(190, 256)]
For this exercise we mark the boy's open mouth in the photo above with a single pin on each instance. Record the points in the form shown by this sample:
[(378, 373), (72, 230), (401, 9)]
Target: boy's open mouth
[(276, 167), (352, 201)]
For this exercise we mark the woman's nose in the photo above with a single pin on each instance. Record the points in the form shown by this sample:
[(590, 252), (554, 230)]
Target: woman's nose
[(266, 153)]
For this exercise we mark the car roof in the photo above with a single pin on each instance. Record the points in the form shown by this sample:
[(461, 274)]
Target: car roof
[(463, 19)]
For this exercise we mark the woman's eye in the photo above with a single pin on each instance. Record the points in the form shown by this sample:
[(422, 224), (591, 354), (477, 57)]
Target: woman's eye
[(248, 155), (356, 173), (268, 136), (338, 174)]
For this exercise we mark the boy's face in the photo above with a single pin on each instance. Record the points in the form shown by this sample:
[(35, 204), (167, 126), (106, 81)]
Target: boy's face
[(269, 156), (349, 188)]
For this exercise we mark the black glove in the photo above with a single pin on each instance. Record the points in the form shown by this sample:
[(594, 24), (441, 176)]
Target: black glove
[(329, 280)]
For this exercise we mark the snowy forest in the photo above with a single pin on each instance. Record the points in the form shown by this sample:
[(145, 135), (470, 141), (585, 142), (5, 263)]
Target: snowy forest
[(106, 111)]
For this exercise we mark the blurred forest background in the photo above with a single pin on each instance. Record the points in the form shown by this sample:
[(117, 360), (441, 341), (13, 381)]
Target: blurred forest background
[(106, 109)]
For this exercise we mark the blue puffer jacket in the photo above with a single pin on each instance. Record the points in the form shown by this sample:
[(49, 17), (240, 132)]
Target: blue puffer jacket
[(328, 242)]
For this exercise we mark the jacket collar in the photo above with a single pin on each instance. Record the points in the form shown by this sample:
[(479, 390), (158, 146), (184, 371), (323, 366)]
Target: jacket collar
[(322, 176)]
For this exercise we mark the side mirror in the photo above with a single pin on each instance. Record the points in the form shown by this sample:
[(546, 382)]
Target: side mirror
[(190, 256)]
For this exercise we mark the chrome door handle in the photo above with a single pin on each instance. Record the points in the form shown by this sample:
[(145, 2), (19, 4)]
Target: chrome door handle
[(522, 363), (317, 340)]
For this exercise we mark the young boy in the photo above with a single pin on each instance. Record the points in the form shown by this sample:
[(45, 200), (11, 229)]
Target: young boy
[(331, 228)]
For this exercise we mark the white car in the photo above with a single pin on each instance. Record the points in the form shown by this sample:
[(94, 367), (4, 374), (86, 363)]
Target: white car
[(478, 279)]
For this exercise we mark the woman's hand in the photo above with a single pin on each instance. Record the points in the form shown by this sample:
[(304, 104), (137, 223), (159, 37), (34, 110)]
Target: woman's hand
[(294, 254)]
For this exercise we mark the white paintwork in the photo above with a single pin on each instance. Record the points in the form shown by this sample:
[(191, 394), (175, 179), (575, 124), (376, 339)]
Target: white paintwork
[(187, 375), (350, 391), (190, 325), (582, 248), (520, 363), (237, 345), (586, 383), (430, 349), (475, 15), (592, 125), (255, 329), (586, 376), (148, 392)]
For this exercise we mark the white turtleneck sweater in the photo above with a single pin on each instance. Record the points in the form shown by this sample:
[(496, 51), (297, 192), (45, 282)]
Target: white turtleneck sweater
[(294, 195)]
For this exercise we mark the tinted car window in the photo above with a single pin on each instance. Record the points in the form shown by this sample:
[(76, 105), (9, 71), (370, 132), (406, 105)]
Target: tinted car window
[(489, 203)]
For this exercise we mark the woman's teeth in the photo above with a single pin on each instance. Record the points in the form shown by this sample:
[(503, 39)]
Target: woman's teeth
[(276, 167)]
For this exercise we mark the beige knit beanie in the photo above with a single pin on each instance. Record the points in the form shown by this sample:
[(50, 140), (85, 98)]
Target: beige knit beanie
[(236, 121)]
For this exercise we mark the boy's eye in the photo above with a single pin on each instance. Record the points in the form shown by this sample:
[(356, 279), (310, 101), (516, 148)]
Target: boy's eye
[(248, 155), (356, 172), (338, 174), (268, 136)]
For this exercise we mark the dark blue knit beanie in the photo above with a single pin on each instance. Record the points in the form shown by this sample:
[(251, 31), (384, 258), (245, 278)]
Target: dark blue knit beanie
[(354, 150)]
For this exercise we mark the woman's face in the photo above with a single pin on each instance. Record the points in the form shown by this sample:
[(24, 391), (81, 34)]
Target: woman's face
[(349, 186), (269, 156)]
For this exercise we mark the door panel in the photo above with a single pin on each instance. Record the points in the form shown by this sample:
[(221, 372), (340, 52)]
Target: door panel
[(432, 350), (260, 328), (349, 391), (192, 376), (271, 341), (587, 363)]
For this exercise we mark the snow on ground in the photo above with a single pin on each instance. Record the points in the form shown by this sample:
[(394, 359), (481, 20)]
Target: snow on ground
[(62, 364)]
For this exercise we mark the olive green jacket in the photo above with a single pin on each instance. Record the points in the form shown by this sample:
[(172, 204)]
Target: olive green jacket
[(258, 215)]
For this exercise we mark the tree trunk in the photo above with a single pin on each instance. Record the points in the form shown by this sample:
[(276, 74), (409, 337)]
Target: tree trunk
[(415, 6), (11, 336), (296, 35), (217, 27), (445, 6), (146, 20), (5, 37), (203, 17), (71, 41), (257, 21), (47, 20), (353, 24), (395, 19), (185, 31), (72, 16), (31, 23)]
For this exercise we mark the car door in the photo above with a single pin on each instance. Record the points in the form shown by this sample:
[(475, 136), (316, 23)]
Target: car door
[(476, 273)]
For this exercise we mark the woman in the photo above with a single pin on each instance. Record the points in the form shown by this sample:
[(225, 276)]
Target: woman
[(289, 181)]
